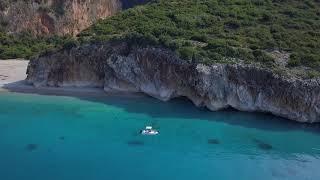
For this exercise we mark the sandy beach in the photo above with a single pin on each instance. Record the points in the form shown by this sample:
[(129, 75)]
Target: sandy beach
[(12, 72), (13, 75)]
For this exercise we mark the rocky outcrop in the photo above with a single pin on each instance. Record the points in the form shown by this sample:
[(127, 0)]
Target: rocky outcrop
[(47, 17), (160, 73)]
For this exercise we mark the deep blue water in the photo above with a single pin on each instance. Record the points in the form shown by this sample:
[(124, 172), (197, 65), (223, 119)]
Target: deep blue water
[(82, 138)]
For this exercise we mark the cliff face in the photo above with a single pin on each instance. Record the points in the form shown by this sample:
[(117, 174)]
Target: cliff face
[(159, 73), (45, 17)]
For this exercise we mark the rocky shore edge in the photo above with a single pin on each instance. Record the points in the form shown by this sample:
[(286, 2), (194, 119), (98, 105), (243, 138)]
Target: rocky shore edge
[(119, 67)]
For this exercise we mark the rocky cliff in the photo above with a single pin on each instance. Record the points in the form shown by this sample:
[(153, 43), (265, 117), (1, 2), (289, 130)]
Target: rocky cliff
[(46, 17), (160, 73)]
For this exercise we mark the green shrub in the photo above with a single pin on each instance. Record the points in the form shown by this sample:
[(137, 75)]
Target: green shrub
[(261, 56), (200, 37), (313, 74), (186, 53), (294, 60), (70, 43), (25, 45)]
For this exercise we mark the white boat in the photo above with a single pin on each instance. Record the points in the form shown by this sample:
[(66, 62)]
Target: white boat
[(149, 131)]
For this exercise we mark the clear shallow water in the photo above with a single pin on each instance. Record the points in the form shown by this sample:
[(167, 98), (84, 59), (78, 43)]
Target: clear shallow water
[(49, 137)]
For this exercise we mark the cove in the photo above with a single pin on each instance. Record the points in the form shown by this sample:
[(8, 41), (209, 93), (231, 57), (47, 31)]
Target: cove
[(59, 137)]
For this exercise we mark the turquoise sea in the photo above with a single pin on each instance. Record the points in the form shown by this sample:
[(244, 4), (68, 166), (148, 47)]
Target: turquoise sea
[(96, 138)]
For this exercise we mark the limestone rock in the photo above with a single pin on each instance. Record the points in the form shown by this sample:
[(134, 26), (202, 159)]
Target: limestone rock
[(161, 74)]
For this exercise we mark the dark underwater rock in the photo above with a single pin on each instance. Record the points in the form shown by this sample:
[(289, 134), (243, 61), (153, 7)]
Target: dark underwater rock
[(135, 143), (62, 138), (31, 147), (263, 145), (213, 141)]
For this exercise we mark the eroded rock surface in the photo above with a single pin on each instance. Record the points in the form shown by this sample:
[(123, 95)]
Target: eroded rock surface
[(160, 73), (47, 17)]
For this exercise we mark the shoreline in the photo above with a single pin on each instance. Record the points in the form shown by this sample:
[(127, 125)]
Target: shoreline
[(13, 75), (81, 92), (15, 82), (23, 87)]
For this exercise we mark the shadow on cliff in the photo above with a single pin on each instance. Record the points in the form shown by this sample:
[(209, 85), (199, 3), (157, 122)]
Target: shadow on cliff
[(131, 3), (176, 108)]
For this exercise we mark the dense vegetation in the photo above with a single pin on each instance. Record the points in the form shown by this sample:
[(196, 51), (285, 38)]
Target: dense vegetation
[(26, 45), (222, 30), (205, 31)]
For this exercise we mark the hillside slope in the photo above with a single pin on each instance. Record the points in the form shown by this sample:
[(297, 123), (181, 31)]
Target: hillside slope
[(277, 34), (252, 55), (30, 27)]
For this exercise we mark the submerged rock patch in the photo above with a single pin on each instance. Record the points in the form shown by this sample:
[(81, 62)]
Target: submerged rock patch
[(135, 143), (31, 147), (62, 138), (263, 145), (213, 141)]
